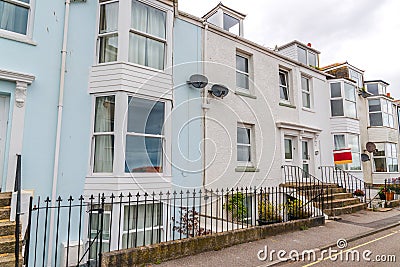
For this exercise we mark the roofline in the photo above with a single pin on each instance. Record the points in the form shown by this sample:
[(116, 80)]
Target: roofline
[(202, 23), (341, 64), (298, 43), (211, 12), (373, 81)]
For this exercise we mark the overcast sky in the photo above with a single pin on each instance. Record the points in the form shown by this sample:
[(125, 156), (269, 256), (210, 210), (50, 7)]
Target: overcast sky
[(366, 33)]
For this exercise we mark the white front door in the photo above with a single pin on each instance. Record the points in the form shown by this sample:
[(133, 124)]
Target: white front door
[(4, 107), (305, 155)]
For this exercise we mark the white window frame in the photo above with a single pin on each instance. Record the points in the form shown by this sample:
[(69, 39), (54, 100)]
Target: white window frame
[(283, 86), (291, 139), (250, 145), (358, 153), (100, 35), (24, 38), (307, 92), (142, 230), (120, 133), (343, 98), (94, 230), (388, 114), (246, 74), (124, 30), (308, 52), (386, 157)]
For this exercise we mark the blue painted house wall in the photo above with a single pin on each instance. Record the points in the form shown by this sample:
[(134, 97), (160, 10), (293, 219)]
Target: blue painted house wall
[(186, 116)]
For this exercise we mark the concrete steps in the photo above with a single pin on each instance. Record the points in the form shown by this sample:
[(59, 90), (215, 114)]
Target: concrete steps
[(346, 209), (7, 233)]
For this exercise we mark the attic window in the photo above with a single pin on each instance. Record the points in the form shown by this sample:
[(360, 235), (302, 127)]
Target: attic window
[(231, 24)]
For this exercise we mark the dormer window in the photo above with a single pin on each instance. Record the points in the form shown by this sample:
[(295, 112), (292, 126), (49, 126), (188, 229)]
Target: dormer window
[(376, 88), (306, 57), (357, 77), (226, 18)]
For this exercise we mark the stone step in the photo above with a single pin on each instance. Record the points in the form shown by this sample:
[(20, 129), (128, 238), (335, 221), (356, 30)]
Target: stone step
[(346, 210), (337, 196), (5, 199), (7, 228), (306, 185), (8, 260), (7, 244), (338, 203), (5, 213)]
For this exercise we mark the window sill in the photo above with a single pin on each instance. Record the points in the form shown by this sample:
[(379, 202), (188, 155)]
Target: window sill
[(288, 105), (16, 37), (344, 117), (308, 109), (245, 94), (382, 127), (130, 64), (246, 169)]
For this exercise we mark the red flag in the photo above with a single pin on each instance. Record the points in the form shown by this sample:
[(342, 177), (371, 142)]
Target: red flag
[(342, 156)]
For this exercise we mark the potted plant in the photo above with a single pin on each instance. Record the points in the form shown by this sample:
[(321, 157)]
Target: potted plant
[(268, 213), (295, 210), (389, 194), (381, 193), (359, 193)]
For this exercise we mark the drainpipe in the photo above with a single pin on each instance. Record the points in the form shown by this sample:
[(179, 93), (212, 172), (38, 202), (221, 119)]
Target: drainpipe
[(59, 124), (204, 104)]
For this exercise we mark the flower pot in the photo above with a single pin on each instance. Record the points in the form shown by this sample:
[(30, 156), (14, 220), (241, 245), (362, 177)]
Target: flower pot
[(389, 196), (382, 196)]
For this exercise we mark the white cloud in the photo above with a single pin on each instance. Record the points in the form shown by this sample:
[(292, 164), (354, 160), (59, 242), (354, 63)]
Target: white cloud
[(366, 33)]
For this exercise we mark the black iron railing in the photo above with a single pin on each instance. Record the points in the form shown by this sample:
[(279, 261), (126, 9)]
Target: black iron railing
[(17, 188), (344, 179), (90, 226)]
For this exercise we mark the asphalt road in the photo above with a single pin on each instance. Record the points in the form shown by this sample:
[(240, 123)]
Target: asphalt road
[(380, 249)]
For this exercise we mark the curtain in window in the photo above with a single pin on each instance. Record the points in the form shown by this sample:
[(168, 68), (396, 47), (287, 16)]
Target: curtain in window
[(143, 50), (13, 18), (339, 141), (104, 144)]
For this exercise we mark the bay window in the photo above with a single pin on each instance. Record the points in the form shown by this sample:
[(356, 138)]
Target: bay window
[(14, 15), (380, 112), (385, 157), (343, 100), (141, 40), (351, 141), (136, 139)]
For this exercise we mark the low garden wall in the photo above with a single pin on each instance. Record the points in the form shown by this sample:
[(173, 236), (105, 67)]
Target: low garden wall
[(169, 250)]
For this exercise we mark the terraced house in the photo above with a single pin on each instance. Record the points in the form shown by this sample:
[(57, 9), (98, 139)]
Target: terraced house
[(123, 118)]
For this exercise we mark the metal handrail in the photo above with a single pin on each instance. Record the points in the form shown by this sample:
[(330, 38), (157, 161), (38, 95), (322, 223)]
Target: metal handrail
[(17, 188)]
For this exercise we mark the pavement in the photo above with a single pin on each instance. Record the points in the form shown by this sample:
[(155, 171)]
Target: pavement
[(351, 227)]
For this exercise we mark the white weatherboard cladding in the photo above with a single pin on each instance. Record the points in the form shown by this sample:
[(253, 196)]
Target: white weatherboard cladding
[(345, 125), (130, 78), (262, 109), (383, 134), (290, 52)]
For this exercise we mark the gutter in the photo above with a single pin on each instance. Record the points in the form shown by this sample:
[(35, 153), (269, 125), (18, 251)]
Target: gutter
[(204, 103)]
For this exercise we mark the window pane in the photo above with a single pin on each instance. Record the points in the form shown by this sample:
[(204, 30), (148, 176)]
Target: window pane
[(242, 80), (350, 109), (374, 105), (231, 24), (337, 108), (288, 149), (108, 48), (375, 119), (335, 90), (146, 51), (373, 89), (243, 135), (391, 121), (103, 153), (305, 84), (356, 164), (283, 78), (302, 54), (353, 143), (380, 150), (13, 18), (339, 141), (243, 153), (380, 164), (305, 154), (104, 114), (143, 154), (108, 17), (312, 59), (393, 165), (385, 119), (284, 93), (145, 116), (350, 92), (242, 64), (306, 100), (148, 19)]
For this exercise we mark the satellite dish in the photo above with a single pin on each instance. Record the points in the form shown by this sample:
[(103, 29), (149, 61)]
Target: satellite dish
[(364, 157), (371, 147), (219, 90), (198, 81)]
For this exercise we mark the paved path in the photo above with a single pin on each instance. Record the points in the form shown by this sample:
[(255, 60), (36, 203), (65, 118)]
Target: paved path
[(246, 254)]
